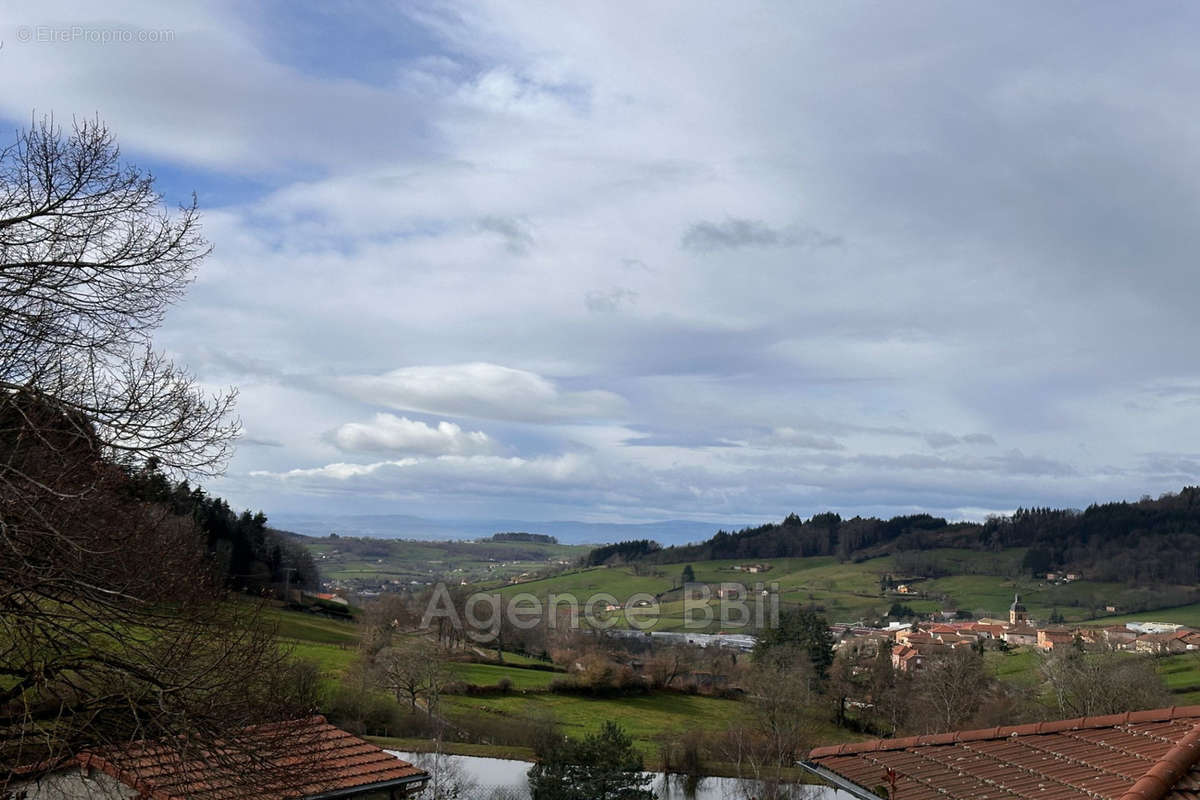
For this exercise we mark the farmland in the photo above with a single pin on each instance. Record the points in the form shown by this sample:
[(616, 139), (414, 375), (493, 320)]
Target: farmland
[(647, 718), (372, 563), (980, 583)]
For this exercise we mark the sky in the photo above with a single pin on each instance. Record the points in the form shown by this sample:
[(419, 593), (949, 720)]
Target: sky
[(618, 261)]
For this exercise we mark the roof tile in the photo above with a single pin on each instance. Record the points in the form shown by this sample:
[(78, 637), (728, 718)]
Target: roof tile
[(287, 760), (1141, 755)]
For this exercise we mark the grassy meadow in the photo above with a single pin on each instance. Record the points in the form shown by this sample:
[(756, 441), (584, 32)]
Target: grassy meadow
[(981, 583), (406, 561)]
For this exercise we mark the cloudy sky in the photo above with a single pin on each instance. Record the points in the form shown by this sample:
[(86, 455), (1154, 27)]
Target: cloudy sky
[(638, 261)]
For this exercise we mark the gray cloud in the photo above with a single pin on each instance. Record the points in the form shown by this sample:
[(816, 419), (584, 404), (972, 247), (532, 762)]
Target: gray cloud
[(977, 438), (733, 233), (254, 441), (609, 301), (938, 440), (941, 439), (795, 438), (518, 238), (479, 390)]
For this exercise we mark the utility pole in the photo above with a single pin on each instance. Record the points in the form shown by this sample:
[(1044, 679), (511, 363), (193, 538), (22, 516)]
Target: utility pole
[(287, 584)]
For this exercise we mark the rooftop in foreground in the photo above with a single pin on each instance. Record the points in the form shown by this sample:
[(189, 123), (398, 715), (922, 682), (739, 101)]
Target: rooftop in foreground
[(1140, 755), (295, 760)]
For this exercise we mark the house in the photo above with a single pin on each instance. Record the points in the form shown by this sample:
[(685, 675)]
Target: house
[(985, 630), (1153, 643), (904, 588), (1021, 635), (302, 759), (914, 637), (752, 567), (1118, 635), (1054, 638), (1162, 643), (952, 636), (1147, 755), (907, 659)]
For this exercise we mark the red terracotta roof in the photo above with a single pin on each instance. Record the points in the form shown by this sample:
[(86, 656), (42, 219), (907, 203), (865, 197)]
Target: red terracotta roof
[(300, 758), (1141, 755)]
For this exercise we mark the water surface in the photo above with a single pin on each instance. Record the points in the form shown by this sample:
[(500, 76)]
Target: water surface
[(489, 775)]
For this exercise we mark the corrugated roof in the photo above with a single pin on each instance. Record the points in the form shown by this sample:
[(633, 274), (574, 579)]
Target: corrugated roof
[(282, 761), (1141, 755)]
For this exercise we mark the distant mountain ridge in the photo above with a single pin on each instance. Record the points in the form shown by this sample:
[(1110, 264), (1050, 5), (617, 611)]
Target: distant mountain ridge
[(404, 526)]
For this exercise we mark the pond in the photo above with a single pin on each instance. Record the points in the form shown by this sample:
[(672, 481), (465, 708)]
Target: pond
[(504, 779)]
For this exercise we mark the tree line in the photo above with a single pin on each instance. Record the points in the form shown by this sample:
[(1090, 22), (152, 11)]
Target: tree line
[(1147, 542), (249, 555)]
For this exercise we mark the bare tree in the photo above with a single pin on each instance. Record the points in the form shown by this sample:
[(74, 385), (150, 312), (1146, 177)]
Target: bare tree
[(89, 263), (113, 625), (385, 618), (1107, 682), (951, 688), (784, 703), (411, 669)]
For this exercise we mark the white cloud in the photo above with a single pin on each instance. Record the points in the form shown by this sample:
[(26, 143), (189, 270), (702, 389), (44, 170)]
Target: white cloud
[(480, 390), (455, 474), (794, 438), (656, 260), (387, 432)]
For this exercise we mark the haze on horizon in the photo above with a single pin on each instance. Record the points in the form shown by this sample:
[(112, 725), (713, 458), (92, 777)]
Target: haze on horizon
[(632, 262)]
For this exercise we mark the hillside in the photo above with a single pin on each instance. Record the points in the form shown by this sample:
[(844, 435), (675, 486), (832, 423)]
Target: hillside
[(1149, 542), (973, 582), (371, 564)]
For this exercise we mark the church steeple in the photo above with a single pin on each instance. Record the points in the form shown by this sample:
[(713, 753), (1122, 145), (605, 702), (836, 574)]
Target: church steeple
[(1016, 612)]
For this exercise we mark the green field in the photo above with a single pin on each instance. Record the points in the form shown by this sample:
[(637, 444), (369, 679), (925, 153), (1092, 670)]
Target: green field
[(331, 659), (405, 561), (1182, 675), (311, 627), (1019, 666), (646, 718), (490, 675), (846, 592), (620, 582)]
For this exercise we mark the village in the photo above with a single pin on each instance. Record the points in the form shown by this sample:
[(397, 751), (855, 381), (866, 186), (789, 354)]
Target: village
[(914, 643)]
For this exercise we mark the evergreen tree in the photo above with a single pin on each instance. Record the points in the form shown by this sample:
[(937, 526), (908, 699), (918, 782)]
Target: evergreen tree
[(689, 576), (798, 631), (602, 766)]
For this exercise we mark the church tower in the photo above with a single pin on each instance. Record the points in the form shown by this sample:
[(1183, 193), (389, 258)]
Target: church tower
[(1017, 614)]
